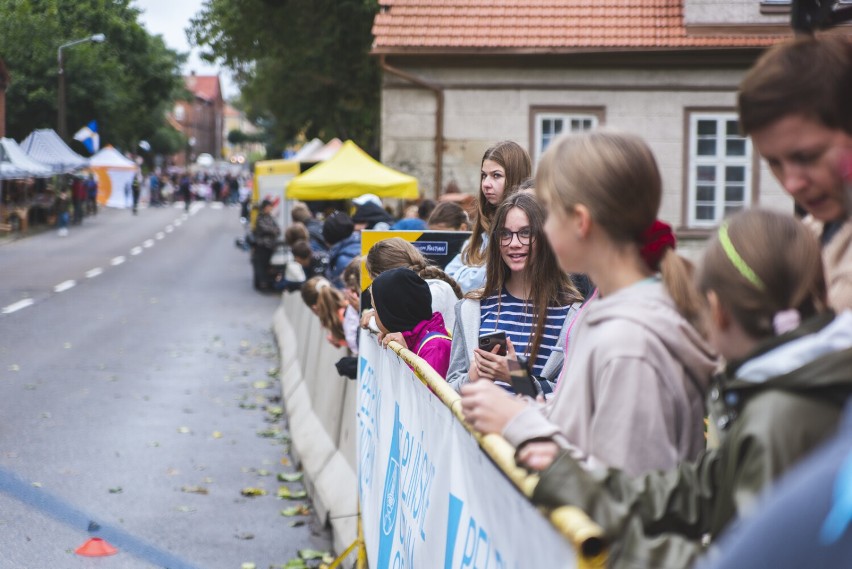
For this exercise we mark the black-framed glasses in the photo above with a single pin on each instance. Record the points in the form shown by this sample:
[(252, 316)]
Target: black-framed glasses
[(524, 236)]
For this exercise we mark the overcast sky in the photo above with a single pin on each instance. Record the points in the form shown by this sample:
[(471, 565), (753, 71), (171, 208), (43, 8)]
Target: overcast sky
[(169, 18)]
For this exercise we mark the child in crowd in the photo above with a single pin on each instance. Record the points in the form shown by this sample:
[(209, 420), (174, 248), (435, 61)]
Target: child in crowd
[(504, 165), (402, 301), (526, 296), (632, 393), (313, 265), (397, 252), (331, 307), (301, 213), (788, 373), (352, 294), (296, 232), (449, 216), (344, 244)]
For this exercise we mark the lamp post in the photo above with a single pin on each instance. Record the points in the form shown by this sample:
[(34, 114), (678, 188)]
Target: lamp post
[(61, 126)]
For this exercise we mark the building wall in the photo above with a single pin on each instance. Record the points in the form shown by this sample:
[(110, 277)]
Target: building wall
[(481, 110)]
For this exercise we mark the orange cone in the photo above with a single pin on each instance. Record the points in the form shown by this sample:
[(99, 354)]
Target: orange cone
[(96, 547)]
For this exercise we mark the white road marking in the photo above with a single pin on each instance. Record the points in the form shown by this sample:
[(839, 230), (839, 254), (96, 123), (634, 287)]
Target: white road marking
[(63, 286), (117, 260), (92, 273), (169, 229), (148, 243), (136, 251), (160, 235), (216, 205), (177, 223), (18, 305)]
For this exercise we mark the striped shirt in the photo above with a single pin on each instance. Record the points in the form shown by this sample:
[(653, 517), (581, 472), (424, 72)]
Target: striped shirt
[(516, 318)]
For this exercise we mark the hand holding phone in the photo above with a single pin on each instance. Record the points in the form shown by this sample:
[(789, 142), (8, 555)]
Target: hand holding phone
[(491, 339)]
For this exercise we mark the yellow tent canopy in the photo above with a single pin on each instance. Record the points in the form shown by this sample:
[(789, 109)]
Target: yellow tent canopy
[(348, 174)]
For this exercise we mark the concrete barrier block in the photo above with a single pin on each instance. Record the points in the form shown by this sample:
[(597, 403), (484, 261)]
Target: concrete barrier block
[(337, 486), (347, 440)]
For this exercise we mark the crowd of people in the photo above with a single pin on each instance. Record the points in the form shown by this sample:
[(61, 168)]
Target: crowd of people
[(662, 398)]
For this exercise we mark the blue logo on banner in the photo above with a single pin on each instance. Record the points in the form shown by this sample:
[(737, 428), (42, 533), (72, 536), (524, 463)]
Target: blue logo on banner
[(390, 496), (432, 247)]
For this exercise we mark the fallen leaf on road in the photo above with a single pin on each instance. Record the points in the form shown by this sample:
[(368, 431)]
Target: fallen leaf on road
[(217, 435), (260, 384), (263, 472), (309, 554), (295, 563), (289, 476), (297, 523), (185, 509), (285, 493), (272, 372), (37, 484), (251, 492), (248, 565), (194, 490), (244, 536), (116, 490), (300, 510), (14, 367), (184, 430), (153, 444)]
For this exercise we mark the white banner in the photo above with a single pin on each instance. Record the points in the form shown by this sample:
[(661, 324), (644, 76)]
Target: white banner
[(430, 497)]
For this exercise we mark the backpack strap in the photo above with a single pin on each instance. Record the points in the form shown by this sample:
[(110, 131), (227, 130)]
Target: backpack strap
[(431, 336)]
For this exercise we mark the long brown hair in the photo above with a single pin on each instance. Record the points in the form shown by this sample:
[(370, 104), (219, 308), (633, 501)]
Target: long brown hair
[(396, 252), (517, 165), (550, 286), (615, 175), (782, 253)]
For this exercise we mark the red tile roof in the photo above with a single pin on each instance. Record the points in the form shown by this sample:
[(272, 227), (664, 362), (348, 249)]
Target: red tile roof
[(204, 86), (542, 26)]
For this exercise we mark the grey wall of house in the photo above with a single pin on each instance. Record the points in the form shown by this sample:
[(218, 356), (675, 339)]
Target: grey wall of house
[(483, 106)]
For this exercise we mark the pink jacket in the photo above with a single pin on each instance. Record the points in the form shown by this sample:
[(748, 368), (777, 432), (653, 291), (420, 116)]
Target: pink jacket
[(430, 341)]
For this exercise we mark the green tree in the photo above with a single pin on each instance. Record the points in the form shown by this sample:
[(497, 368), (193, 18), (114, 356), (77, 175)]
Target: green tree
[(303, 66), (126, 83)]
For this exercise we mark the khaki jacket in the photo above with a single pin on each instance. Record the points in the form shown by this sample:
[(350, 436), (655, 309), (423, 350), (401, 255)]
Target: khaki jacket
[(837, 260), (769, 417)]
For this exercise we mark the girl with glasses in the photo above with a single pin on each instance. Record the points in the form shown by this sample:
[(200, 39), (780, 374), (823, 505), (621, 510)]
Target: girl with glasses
[(526, 296)]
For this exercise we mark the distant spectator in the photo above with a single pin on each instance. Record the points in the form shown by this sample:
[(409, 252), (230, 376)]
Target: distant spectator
[(266, 235), (372, 216), (418, 221), (352, 294), (62, 212), (312, 265), (403, 305), (78, 198), (301, 213), (296, 232), (92, 194), (345, 244), (449, 216)]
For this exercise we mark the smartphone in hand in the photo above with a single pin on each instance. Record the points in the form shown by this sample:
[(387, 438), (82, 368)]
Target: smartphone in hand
[(491, 339)]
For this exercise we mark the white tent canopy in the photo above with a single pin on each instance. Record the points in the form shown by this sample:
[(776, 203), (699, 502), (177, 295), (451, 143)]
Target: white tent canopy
[(47, 147), (307, 149), (15, 164), (114, 172)]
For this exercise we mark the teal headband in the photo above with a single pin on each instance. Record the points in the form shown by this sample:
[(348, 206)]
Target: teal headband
[(738, 262)]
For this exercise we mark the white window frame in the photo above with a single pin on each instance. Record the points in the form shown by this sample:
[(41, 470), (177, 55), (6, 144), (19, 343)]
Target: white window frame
[(179, 112), (567, 117), (719, 161)]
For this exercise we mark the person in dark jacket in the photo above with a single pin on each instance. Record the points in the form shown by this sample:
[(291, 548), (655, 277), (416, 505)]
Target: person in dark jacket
[(266, 235), (781, 394), (345, 244), (370, 215)]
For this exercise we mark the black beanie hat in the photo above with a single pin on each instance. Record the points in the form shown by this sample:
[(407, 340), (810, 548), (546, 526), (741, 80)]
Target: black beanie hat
[(337, 227), (402, 299)]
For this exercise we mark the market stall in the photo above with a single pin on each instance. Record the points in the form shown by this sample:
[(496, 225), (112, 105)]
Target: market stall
[(114, 172)]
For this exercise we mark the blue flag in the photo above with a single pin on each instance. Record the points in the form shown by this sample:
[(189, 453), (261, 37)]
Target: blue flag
[(88, 135)]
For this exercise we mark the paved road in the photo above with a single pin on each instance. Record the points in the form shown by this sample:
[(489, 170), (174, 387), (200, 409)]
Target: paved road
[(132, 359)]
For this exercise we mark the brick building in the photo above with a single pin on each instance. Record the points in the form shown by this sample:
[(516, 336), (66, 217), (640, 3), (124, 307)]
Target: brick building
[(201, 119)]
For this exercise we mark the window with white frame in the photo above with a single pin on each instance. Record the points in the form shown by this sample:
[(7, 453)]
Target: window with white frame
[(719, 168), (550, 125)]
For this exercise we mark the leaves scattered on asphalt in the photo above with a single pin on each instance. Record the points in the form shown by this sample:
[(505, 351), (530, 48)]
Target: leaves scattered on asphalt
[(184, 430), (116, 490), (285, 493), (194, 490), (251, 492), (290, 476), (298, 510)]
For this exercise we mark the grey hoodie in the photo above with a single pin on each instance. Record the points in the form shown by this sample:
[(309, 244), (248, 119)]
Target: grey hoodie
[(632, 393)]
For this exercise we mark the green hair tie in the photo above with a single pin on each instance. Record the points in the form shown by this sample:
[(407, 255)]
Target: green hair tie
[(738, 262)]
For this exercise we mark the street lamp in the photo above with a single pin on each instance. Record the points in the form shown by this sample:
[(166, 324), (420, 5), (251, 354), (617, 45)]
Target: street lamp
[(61, 126)]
